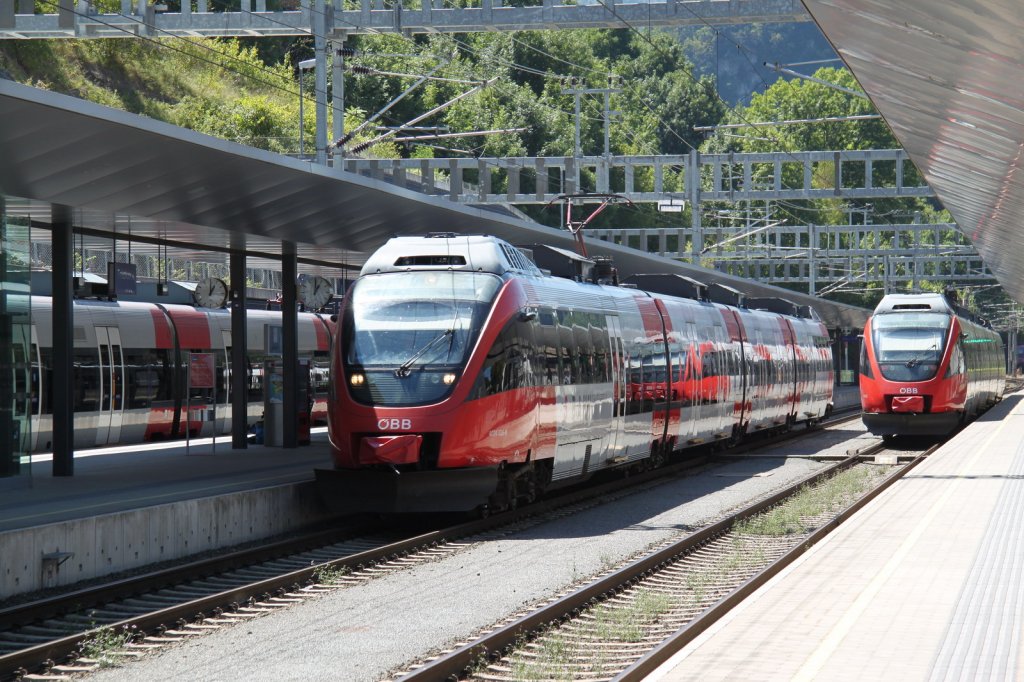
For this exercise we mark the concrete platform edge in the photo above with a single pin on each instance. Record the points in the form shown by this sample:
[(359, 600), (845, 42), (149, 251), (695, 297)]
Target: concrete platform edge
[(109, 543)]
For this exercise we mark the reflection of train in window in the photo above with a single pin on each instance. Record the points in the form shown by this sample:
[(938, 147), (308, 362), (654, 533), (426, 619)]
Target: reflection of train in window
[(466, 376), (129, 378)]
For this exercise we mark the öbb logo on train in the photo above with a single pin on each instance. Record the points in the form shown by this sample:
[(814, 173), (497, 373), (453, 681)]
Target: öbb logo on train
[(394, 423), (908, 390)]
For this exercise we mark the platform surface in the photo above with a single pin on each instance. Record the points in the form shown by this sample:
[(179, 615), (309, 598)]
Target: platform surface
[(926, 582), (117, 479)]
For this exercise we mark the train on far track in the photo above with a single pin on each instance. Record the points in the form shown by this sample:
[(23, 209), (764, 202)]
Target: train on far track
[(130, 364), (465, 377), (927, 367)]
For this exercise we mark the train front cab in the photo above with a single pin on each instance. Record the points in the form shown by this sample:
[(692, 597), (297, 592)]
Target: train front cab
[(913, 374)]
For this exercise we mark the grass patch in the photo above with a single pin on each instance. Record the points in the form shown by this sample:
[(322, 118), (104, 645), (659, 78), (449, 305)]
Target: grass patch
[(554, 659), (798, 514), (631, 623), (331, 575), (101, 644)]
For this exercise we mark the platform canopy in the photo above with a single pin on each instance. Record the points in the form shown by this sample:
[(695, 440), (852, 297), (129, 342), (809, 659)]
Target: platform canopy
[(946, 76), (190, 189)]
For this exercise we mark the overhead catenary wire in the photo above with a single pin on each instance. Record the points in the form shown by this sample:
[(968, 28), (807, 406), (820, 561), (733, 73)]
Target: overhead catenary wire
[(381, 138), (223, 55)]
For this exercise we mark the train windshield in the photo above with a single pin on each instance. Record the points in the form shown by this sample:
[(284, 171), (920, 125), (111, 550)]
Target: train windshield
[(407, 334), (909, 346)]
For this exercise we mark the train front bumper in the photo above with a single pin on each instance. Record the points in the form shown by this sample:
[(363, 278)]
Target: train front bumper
[(911, 424), (391, 492)]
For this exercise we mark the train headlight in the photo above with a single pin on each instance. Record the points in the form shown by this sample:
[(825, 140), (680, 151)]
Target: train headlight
[(357, 379), (448, 379)]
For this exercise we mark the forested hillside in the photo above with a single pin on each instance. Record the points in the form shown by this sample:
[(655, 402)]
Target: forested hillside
[(664, 83), (248, 90), (734, 56)]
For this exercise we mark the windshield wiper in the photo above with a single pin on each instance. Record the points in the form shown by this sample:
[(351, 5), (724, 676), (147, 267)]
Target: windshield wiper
[(405, 369), (918, 359)]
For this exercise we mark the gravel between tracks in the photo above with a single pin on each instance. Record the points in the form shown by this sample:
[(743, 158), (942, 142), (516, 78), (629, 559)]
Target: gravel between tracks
[(361, 633)]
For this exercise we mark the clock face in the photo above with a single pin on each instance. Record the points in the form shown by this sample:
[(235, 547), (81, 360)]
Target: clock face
[(315, 292), (211, 293)]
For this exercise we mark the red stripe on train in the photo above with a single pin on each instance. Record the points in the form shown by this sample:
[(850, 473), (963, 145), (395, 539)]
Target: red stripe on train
[(193, 328), (161, 329)]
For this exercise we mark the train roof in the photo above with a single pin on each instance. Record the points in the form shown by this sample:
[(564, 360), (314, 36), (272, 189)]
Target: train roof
[(449, 251), (925, 303), (896, 303)]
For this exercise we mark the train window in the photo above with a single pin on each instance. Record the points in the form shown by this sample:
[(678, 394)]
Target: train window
[(583, 350), (255, 381), (709, 364), (493, 370), (46, 378), (599, 341), (570, 367), (547, 341), (908, 346), (320, 373), (143, 372), (87, 380), (507, 365), (273, 339)]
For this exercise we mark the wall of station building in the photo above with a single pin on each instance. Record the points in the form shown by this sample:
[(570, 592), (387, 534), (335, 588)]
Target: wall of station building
[(15, 344)]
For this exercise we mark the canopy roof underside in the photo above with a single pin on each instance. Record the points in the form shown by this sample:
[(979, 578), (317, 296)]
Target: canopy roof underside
[(945, 75)]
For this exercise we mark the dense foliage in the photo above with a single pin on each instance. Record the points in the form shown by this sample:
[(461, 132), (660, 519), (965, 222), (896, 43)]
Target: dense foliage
[(247, 90)]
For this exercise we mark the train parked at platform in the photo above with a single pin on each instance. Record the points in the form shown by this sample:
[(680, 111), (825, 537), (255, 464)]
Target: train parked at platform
[(926, 367), (129, 382), (466, 377)]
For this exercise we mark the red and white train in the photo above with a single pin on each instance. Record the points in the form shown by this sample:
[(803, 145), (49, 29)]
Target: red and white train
[(925, 368), (464, 376), (129, 369)]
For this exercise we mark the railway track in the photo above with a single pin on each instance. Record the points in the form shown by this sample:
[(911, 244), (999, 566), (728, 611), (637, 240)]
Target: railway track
[(73, 632), (626, 623)]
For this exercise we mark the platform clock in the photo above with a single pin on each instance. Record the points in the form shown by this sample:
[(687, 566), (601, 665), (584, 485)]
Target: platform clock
[(211, 292), (315, 292)]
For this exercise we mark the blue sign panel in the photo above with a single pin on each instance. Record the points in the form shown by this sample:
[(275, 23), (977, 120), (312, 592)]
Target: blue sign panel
[(121, 278)]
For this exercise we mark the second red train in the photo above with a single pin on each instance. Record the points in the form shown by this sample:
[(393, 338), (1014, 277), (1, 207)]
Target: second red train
[(926, 367)]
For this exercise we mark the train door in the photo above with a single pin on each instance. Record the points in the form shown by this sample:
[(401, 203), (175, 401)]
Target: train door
[(618, 384), (694, 379), (108, 426), (22, 363), (36, 389), (223, 396)]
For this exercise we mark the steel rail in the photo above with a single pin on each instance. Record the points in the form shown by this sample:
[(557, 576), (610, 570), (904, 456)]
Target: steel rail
[(454, 664), (85, 598), (34, 657), (668, 648)]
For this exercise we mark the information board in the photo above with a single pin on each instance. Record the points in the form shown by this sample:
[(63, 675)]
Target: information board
[(202, 370)]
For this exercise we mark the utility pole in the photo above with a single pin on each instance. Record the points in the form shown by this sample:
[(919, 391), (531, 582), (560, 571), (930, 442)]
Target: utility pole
[(338, 96), (319, 26), (577, 93)]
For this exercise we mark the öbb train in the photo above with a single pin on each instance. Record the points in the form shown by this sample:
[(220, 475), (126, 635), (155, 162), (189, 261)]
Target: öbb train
[(129, 369), (464, 376), (926, 368)]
